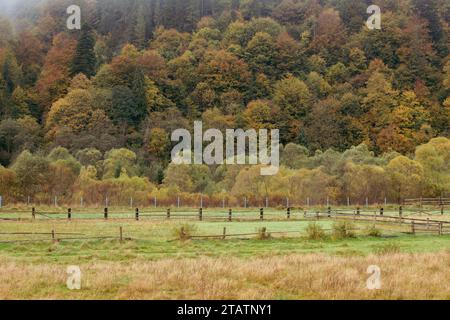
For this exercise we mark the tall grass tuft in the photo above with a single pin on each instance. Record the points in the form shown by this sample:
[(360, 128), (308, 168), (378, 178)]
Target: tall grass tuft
[(373, 231), (263, 234), (314, 231), (184, 232), (343, 230)]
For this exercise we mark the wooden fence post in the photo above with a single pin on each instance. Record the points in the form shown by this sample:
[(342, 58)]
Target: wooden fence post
[(288, 212), (168, 213), (261, 214), (69, 213), (53, 236), (121, 234), (105, 213), (442, 209), (428, 223), (358, 211), (136, 214), (224, 233), (33, 213), (230, 213), (200, 214), (400, 213)]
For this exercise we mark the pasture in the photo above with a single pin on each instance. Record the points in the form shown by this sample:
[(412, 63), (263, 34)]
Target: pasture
[(121, 257)]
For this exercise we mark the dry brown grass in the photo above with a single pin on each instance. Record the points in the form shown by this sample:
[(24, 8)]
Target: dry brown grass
[(313, 276)]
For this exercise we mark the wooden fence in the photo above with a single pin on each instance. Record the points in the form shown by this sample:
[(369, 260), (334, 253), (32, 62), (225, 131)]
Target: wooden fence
[(428, 201), (414, 226), (428, 205), (402, 218), (60, 236), (56, 237)]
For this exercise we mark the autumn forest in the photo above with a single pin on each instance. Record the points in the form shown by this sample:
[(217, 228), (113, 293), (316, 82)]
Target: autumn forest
[(88, 113)]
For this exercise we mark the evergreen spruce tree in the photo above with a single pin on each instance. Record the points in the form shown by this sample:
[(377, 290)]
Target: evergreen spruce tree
[(139, 89), (123, 108), (139, 34), (8, 82), (84, 60), (11, 73), (429, 10), (3, 97)]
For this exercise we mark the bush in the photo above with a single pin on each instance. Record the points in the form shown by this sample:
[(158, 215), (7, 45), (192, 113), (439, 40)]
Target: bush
[(343, 230), (373, 231), (184, 232), (315, 231), (263, 234)]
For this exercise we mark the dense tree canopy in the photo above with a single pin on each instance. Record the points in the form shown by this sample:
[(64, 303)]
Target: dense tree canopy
[(112, 92)]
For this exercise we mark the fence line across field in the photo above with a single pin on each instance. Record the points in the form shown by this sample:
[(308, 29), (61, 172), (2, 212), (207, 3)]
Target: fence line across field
[(357, 214), (262, 233), (215, 213), (201, 200), (54, 236), (427, 201)]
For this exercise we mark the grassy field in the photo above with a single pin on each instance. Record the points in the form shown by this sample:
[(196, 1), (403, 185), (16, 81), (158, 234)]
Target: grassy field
[(151, 263)]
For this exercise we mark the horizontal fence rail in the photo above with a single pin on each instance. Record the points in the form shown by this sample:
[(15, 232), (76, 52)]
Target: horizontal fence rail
[(220, 201), (427, 201), (262, 233), (401, 215), (55, 237)]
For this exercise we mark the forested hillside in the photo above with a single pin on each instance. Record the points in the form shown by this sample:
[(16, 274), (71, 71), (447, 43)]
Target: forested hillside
[(89, 112)]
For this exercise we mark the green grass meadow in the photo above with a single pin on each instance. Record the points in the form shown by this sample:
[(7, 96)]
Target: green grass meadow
[(154, 237)]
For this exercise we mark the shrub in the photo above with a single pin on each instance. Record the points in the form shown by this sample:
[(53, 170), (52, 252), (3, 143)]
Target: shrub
[(373, 231), (314, 231), (263, 234), (184, 232), (342, 230)]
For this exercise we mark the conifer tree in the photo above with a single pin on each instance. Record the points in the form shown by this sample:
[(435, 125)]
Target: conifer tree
[(139, 36), (139, 92), (428, 9), (84, 60)]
